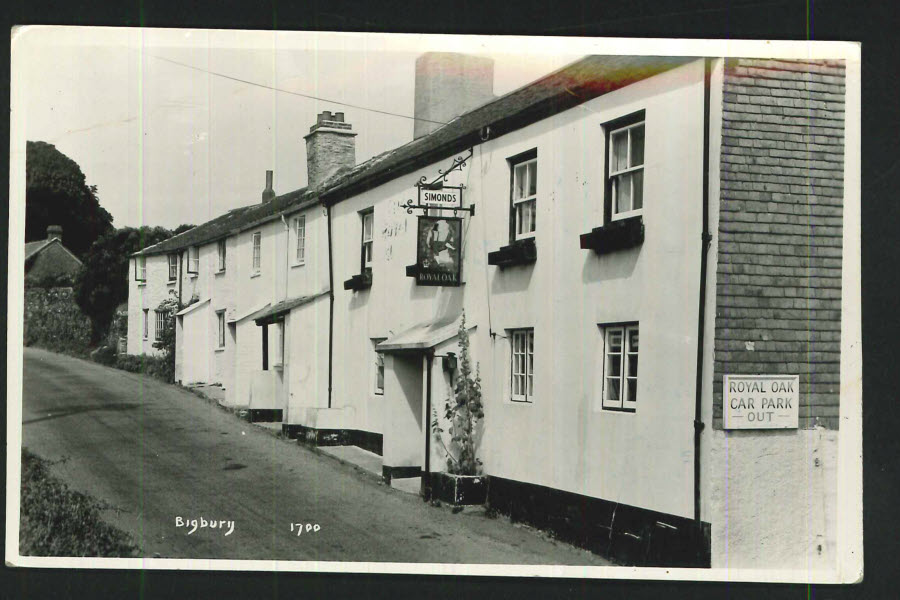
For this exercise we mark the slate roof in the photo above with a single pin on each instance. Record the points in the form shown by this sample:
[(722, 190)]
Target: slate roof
[(33, 248), (283, 307), (561, 90)]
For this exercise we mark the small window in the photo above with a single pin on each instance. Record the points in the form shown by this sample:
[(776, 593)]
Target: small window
[(173, 267), (300, 235), (160, 324), (620, 367), (524, 195), (257, 253), (220, 319), (522, 365), (193, 260), (140, 268), (378, 383), (368, 228), (221, 252), (626, 170), (146, 323)]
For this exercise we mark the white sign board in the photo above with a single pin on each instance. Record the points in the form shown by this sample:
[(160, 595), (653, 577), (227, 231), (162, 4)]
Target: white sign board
[(446, 197), (761, 401)]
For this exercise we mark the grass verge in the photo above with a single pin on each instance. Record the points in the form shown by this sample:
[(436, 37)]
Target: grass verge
[(57, 521)]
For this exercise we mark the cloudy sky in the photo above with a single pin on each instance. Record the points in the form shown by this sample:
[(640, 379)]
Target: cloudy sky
[(169, 143)]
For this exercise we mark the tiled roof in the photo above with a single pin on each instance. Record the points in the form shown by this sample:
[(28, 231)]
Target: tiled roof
[(561, 90)]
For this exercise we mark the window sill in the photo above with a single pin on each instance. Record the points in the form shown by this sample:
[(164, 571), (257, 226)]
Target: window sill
[(193, 275), (615, 235), (618, 409), (222, 349), (172, 282), (278, 367), (520, 252), (295, 265), (217, 273), (512, 402), (142, 284), (257, 274), (363, 281)]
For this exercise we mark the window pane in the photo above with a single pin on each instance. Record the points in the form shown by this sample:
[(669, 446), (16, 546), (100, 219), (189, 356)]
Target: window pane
[(622, 193), (638, 180), (637, 146), (619, 152), (632, 365), (614, 365), (615, 340), (532, 178), (519, 183), (367, 226), (633, 340), (632, 390), (612, 388)]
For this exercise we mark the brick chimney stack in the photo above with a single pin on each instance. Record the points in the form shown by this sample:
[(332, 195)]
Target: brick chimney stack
[(268, 194), (330, 147), (54, 232), (449, 84)]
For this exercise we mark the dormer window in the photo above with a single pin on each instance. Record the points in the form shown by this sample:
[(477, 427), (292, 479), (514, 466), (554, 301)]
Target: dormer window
[(626, 170)]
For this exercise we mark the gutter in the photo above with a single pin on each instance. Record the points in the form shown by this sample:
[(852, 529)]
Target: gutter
[(706, 238)]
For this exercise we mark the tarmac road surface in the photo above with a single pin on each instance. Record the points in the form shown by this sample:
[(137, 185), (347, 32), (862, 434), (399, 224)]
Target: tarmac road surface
[(157, 453)]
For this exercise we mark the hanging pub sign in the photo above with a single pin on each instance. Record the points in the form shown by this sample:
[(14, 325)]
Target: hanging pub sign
[(435, 196), (438, 244)]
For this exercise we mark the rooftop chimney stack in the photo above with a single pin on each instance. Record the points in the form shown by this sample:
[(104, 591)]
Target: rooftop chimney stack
[(330, 147), (54, 232), (449, 84), (268, 193)]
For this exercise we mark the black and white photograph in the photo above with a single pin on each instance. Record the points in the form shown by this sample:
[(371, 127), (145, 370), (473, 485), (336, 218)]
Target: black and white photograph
[(435, 304)]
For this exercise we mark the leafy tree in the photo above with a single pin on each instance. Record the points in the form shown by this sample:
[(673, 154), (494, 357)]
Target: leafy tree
[(464, 409), (56, 194), (102, 283), (182, 228)]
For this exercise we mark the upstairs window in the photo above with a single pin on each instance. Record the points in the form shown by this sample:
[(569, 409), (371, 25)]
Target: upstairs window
[(257, 253), (522, 365), (173, 267), (523, 210), (626, 170), (193, 260), (220, 321), (300, 236), (146, 323), (220, 248), (368, 229), (140, 268), (620, 367)]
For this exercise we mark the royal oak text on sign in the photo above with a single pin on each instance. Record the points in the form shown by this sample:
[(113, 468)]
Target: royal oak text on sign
[(761, 401)]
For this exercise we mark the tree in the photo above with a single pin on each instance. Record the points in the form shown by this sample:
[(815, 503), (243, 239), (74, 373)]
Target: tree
[(102, 283), (56, 194)]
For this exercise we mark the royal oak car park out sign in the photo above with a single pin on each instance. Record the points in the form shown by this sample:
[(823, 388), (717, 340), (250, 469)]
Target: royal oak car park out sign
[(761, 401)]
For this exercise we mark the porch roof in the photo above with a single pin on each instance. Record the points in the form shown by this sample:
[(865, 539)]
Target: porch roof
[(249, 313), (191, 308), (423, 336), (269, 313)]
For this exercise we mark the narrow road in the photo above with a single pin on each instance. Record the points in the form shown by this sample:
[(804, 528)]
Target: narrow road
[(157, 453)]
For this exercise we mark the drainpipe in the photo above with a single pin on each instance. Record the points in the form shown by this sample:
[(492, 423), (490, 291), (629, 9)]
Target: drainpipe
[(426, 420), (180, 271), (330, 304), (706, 238)]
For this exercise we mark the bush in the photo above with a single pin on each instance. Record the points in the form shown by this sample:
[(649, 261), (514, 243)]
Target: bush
[(56, 521), (105, 355), (154, 366)]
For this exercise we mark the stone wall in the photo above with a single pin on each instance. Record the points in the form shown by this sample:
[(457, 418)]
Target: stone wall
[(778, 281), (54, 321)]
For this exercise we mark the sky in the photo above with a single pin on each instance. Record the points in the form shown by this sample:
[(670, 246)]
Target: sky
[(169, 143)]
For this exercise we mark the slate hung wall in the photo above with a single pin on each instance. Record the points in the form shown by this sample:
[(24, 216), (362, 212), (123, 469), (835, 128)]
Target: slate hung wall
[(778, 281)]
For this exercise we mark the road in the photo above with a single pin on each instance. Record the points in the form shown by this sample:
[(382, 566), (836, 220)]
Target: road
[(157, 453)]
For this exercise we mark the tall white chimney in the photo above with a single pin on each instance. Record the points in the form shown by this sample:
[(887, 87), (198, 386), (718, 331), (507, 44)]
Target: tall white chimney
[(449, 84)]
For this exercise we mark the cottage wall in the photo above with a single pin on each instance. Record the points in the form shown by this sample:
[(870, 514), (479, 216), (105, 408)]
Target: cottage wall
[(147, 295)]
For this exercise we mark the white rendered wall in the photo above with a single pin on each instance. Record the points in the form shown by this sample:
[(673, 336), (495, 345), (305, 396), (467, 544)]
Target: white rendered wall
[(147, 295)]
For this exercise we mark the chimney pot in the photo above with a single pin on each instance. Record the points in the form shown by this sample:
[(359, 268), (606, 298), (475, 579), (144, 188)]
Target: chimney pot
[(268, 193), (54, 232), (339, 117)]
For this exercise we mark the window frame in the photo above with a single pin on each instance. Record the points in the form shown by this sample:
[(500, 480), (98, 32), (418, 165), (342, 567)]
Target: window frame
[(256, 253), (379, 365), (299, 240), (193, 260), (140, 269), (279, 345), (522, 159), (610, 128), (368, 213), (221, 253), (160, 323), (146, 335), (220, 329), (173, 265), (527, 373), (624, 403)]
